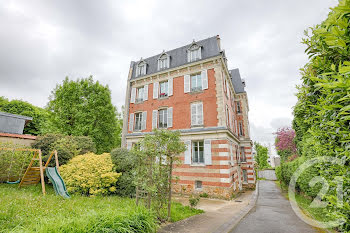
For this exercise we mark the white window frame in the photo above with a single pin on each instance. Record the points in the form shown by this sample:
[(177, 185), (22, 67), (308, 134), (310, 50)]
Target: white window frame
[(196, 84), (239, 107), (164, 118), (240, 128), (138, 115), (197, 118), (166, 94), (163, 62), (196, 157), (141, 69), (138, 97), (194, 53)]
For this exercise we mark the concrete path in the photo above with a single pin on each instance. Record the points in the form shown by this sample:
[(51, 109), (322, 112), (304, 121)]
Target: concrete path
[(272, 214), (219, 214)]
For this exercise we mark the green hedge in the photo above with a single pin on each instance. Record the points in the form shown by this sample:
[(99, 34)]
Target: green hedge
[(285, 172), (124, 162), (67, 146)]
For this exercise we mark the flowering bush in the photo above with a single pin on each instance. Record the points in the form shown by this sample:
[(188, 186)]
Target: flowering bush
[(285, 144), (90, 174)]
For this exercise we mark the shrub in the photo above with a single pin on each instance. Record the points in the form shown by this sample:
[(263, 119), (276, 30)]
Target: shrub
[(204, 195), (66, 146), (124, 162), (90, 174), (194, 200)]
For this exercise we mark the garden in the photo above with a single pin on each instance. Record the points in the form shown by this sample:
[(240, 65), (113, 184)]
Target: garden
[(102, 187)]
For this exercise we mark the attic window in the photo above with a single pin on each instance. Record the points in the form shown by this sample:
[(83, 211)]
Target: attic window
[(194, 53), (163, 61), (141, 69)]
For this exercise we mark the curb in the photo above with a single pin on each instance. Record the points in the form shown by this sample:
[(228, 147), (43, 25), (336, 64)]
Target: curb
[(230, 225)]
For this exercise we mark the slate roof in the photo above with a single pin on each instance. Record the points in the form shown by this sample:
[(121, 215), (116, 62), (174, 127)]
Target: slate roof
[(237, 81), (178, 57)]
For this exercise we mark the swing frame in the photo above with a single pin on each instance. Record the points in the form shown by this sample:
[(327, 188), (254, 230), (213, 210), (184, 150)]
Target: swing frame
[(28, 178)]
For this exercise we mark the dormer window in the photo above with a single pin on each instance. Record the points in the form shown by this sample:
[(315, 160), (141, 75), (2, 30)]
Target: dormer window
[(163, 61), (141, 69), (194, 53)]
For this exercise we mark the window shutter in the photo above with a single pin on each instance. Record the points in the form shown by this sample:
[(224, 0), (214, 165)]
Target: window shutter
[(155, 90), (200, 114), (168, 62), (158, 64), (204, 79), (131, 122), (170, 86), (200, 52), (193, 114), (133, 95), (186, 83), (154, 119), (145, 92), (188, 152), (188, 56), (128, 145), (207, 152), (144, 120), (170, 117)]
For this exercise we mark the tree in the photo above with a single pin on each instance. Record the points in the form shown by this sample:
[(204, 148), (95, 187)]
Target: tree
[(157, 154), (84, 108), (285, 144), (261, 155), (39, 115)]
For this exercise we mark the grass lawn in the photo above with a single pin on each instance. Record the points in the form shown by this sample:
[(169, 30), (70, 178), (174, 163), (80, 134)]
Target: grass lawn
[(27, 210)]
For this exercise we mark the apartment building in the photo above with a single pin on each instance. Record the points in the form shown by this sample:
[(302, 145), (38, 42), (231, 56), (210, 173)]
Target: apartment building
[(191, 89)]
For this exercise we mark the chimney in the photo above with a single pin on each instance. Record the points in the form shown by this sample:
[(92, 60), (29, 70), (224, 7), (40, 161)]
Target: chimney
[(219, 41), (243, 82)]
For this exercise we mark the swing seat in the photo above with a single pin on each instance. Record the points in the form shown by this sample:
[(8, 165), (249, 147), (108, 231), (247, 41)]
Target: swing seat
[(14, 182)]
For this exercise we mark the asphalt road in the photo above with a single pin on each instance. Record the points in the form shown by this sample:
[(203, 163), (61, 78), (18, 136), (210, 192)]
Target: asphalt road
[(272, 214)]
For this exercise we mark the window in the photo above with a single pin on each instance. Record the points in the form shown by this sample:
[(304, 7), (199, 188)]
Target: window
[(238, 158), (163, 62), (243, 158), (163, 118), (194, 53), (239, 110), (198, 152), (240, 126), (138, 121), (163, 89), (198, 184), (196, 82), (140, 94), (245, 176), (197, 114), (227, 117), (141, 69)]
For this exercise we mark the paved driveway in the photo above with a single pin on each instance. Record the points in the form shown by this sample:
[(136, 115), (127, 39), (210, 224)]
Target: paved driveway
[(272, 214)]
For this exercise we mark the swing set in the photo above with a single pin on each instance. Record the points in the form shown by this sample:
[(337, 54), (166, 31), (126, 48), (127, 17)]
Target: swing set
[(12, 170)]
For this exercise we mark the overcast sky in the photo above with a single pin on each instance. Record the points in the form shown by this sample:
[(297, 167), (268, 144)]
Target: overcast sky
[(42, 42)]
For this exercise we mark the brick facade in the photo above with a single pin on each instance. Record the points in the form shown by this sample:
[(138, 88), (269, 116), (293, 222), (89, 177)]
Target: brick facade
[(224, 170)]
